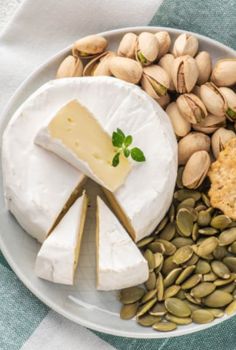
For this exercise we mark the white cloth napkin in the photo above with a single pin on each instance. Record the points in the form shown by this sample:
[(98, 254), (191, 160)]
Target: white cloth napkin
[(37, 31)]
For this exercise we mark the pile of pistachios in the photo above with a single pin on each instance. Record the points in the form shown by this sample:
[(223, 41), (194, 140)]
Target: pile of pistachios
[(192, 253)]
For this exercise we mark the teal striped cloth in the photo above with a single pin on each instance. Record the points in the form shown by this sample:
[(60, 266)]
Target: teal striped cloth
[(21, 312)]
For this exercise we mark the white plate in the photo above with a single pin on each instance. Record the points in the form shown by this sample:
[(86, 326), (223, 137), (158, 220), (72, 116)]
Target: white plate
[(80, 303)]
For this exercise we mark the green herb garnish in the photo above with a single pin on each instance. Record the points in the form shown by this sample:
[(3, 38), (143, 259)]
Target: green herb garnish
[(122, 143)]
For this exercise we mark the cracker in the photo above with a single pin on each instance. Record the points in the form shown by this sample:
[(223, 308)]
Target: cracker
[(223, 180)]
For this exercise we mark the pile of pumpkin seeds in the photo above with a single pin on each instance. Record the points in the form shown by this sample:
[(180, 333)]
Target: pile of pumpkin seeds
[(192, 266)]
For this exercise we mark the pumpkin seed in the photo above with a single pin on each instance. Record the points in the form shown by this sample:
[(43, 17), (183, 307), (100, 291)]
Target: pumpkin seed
[(151, 282), (195, 233), (202, 316), (195, 301), (179, 182), (192, 306), (184, 221), (191, 282), (161, 225), (186, 203), (209, 277), (145, 241), (148, 320), (168, 265), (160, 287), (230, 261), (171, 277), (181, 295), (169, 232), (221, 222), (158, 309), (200, 207), (146, 307), (223, 282), (128, 311), (232, 248), (206, 200), (229, 288), (227, 237), (182, 194), (158, 260), (177, 307), (207, 246), (220, 269), (219, 253), (169, 247), (181, 241), (231, 308), (202, 290), (192, 261), (183, 254), (148, 296), (171, 291), (164, 326), (218, 299), (204, 218), (131, 295), (185, 274), (171, 213), (178, 320), (208, 231), (157, 247), (202, 267), (217, 313)]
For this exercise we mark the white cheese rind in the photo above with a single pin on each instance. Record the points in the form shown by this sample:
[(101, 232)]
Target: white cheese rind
[(120, 264), (55, 261)]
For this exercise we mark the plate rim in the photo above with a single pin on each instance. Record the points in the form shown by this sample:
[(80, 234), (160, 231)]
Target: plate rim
[(27, 283)]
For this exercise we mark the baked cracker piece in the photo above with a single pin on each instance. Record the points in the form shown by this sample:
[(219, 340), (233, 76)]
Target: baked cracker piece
[(223, 180)]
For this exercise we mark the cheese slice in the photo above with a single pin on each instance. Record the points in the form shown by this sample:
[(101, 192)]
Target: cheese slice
[(76, 136), (120, 264), (58, 256)]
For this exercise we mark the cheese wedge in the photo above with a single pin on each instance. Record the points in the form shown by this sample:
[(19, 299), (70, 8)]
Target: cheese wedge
[(58, 256), (76, 136), (120, 264)]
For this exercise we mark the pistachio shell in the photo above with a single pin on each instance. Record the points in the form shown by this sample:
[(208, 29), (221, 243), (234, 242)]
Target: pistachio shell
[(155, 81), (147, 48), (202, 316), (164, 326), (191, 108), (218, 299), (125, 69), (196, 169), (127, 45), (89, 46), (177, 307), (203, 289), (224, 72), (219, 140), (204, 64), (180, 125), (131, 295), (99, 65), (213, 99), (230, 97), (193, 142), (164, 41), (163, 101), (185, 44), (184, 73), (70, 67), (210, 124), (166, 62)]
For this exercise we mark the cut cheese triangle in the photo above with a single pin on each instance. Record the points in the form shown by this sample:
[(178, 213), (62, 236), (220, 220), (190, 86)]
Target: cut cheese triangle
[(120, 264), (58, 257), (76, 136)]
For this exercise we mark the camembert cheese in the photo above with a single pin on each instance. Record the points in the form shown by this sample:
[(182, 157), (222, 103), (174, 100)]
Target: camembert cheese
[(76, 136), (119, 262), (58, 257)]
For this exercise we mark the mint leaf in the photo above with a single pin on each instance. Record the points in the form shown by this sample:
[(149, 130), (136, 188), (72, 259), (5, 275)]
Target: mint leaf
[(116, 159), (137, 154), (117, 139), (120, 132), (126, 152), (128, 140)]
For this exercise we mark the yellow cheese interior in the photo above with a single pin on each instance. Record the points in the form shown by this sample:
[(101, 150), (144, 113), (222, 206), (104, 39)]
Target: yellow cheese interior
[(79, 131), (97, 243)]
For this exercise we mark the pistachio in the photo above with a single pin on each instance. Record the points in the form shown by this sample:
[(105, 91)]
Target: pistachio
[(221, 222), (203, 289), (224, 72), (207, 246), (147, 48), (213, 99), (218, 299), (70, 67), (220, 269), (177, 307), (180, 125), (164, 326), (184, 73), (99, 65), (155, 81), (196, 169), (89, 46), (164, 41), (166, 62), (202, 267), (185, 44), (231, 308), (191, 108), (210, 124), (191, 143), (163, 101), (125, 69), (230, 97), (178, 320), (127, 45), (227, 237), (184, 221), (202, 316), (219, 140), (148, 320), (204, 64), (131, 295), (230, 261)]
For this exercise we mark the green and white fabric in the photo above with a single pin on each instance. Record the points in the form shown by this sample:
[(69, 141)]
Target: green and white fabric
[(38, 30)]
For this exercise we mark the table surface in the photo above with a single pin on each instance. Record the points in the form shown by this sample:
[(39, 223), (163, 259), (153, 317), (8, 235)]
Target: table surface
[(7, 9)]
